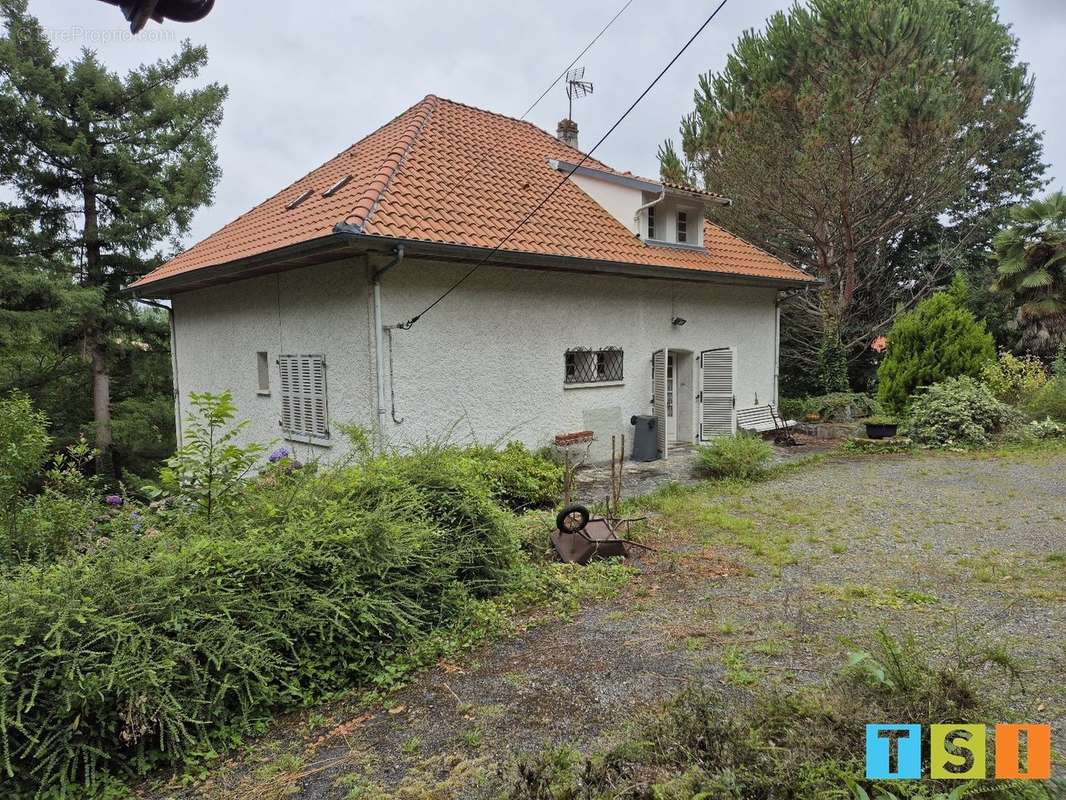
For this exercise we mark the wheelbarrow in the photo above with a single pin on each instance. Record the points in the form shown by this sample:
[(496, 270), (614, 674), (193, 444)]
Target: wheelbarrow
[(579, 537)]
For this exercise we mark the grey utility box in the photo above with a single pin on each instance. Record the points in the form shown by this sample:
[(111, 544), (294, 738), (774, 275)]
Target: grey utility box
[(645, 437)]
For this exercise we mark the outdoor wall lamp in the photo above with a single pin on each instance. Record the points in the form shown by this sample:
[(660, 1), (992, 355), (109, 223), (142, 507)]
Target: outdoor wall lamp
[(677, 322)]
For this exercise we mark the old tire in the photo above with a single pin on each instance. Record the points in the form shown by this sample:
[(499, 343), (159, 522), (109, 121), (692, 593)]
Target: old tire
[(572, 519)]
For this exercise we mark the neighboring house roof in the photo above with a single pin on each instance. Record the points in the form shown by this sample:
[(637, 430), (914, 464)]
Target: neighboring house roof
[(449, 173)]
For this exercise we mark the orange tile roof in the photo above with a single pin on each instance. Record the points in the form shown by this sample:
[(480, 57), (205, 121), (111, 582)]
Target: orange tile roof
[(449, 173)]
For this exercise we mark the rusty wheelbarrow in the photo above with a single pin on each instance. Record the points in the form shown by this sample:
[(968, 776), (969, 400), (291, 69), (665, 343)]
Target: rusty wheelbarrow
[(579, 537)]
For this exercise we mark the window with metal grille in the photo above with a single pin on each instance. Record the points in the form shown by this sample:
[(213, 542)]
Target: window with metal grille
[(304, 411), (593, 366), (682, 226)]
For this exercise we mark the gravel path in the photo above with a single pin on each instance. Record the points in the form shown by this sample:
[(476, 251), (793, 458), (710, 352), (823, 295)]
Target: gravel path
[(762, 584)]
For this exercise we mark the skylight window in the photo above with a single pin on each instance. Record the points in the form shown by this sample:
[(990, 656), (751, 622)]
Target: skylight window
[(299, 199), (332, 190)]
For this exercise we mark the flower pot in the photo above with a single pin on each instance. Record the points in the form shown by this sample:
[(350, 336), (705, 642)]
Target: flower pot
[(881, 430)]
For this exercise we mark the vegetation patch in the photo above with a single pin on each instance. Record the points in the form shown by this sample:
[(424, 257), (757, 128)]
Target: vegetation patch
[(151, 635), (783, 743), (881, 597), (741, 457)]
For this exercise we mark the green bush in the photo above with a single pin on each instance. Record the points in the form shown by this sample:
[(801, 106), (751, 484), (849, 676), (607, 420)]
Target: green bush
[(163, 636), (454, 495), (1046, 429), (797, 408), (518, 478), (935, 341), (1049, 402), (1013, 380), (65, 517), (742, 456), (958, 411), (24, 443)]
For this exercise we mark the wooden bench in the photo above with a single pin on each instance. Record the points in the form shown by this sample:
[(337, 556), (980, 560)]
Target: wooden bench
[(762, 419)]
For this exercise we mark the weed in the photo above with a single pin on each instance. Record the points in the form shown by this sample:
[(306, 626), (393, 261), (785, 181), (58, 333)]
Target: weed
[(736, 667)]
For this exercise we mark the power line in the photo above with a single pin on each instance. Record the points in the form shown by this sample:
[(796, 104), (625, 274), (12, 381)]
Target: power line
[(409, 323), (543, 94)]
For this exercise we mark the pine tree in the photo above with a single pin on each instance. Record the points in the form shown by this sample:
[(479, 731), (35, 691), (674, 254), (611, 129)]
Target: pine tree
[(875, 141), (104, 168)]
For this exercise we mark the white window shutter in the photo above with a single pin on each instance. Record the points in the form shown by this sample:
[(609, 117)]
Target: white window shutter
[(304, 404), (717, 416), (319, 418), (285, 367), (659, 391)]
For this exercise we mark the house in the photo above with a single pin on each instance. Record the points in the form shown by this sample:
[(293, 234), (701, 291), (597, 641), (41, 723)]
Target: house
[(618, 297)]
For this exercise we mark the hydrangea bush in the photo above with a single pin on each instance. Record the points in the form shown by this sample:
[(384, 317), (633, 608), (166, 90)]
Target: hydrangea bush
[(957, 412)]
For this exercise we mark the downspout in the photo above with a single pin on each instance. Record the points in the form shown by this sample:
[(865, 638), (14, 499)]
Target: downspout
[(777, 354), (379, 343), (782, 298), (646, 206)]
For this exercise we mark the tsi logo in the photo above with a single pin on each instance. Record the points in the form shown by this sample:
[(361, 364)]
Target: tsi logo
[(894, 752)]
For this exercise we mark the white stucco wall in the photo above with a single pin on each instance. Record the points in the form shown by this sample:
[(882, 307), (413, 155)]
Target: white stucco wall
[(488, 362), (620, 202), (317, 310), (485, 365)]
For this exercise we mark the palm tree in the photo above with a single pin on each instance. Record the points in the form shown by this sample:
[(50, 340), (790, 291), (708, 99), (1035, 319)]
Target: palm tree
[(1031, 252)]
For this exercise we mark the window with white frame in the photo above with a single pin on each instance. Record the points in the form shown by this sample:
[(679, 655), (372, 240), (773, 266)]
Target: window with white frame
[(651, 222), (593, 366), (304, 410), (682, 226)]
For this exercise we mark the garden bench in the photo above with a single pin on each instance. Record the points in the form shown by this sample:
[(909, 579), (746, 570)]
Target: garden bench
[(763, 419)]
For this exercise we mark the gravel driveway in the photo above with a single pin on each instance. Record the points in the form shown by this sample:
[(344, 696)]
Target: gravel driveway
[(763, 583)]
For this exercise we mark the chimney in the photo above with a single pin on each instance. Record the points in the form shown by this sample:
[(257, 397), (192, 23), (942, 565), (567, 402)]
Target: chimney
[(567, 132)]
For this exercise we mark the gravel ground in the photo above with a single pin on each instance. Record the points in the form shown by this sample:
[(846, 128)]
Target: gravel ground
[(763, 584)]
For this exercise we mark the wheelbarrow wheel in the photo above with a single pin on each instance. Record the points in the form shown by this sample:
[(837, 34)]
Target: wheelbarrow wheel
[(572, 519)]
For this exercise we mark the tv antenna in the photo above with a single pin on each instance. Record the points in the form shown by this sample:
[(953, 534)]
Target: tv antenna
[(576, 86)]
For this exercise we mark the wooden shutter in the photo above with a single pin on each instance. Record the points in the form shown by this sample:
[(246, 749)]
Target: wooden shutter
[(286, 365), (319, 419), (717, 416), (658, 372), (304, 407)]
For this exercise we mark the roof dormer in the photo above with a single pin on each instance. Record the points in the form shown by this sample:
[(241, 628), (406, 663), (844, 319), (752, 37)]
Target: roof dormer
[(665, 220), (659, 213)]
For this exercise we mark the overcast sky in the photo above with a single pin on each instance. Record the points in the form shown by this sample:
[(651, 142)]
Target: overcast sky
[(309, 78)]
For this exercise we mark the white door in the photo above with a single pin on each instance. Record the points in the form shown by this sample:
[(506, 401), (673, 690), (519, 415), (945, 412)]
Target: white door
[(659, 361), (717, 400)]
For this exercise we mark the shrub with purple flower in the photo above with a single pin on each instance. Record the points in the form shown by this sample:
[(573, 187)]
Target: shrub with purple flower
[(278, 455), (114, 500)]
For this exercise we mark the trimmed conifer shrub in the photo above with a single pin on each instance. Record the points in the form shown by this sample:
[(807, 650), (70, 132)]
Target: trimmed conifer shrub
[(936, 341)]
